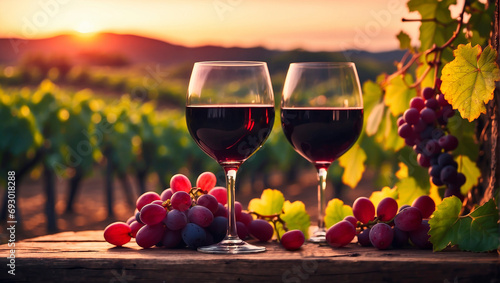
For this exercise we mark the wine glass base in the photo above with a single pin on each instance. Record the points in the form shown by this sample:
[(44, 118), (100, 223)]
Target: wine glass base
[(232, 247), (318, 237)]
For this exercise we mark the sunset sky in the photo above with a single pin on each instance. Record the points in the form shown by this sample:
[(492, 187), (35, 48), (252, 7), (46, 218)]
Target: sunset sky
[(278, 24)]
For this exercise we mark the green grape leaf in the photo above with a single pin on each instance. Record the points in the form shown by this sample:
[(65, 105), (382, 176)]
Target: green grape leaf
[(471, 172), (387, 135), (336, 211), (374, 119), (296, 217), (353, 162), (404, 41), (398, 94), (385, 192), (469, 80), (269, 203), (409, 190), (477, 231), (465, 133), (439, 25)]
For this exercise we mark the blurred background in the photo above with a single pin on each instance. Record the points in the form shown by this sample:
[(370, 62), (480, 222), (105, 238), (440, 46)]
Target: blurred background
[(92, 97)]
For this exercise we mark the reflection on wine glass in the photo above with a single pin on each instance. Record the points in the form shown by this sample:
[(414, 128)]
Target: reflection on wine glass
[(322, 117), (230, 114)]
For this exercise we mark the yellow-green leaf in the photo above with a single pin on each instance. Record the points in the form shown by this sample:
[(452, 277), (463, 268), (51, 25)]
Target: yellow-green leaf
[(471, 172), (353, 162), (374, 119), (404, 40), (269, 203), (409, 190), (398, 94), (296, 217), (336, 211), (469, 80), (386, 192)]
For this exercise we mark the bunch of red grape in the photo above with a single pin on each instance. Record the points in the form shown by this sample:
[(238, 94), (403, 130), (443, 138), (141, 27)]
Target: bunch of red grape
[(423, 126), (183, 216), (385, 226)]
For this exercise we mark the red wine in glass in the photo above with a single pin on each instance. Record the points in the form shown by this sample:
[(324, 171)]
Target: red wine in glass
[(230, 133), (321, 135)]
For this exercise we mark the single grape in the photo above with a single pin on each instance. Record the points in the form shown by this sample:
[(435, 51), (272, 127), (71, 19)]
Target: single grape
[(181, 200), (417, 103), (238, 208), (442, 101), (220, 193), (401, 121), (130, 220), (193, 235), (146, 198), (437, 181), (408, 219), (448, 174), (432, 147), (364, 238), (218, 228), (352, 219), (134, 227), (261, 230), (293, 240), (453, 191), (400, 238), (411, 116), (428, 93), (166, 194), (420, 237), (206, 181), (447, 112), (460, 179), (171, 239), (180, 183), (245, 218), (341, 233), (448, 142), (117, 233), (208, 201), (152, 214), (423, 160), (435, 171), (200, 216), (425, 204), (405, 131), (242, 230), (403, 207), (419, 127), (150, 235), (363, 209), (138, 217), (175, 220), (387, 209), (221, 211), (428, 115), (410, 141), (381, 236), (432, 103)]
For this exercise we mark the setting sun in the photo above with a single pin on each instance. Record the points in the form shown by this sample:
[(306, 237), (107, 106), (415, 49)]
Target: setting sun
[(86, 27)]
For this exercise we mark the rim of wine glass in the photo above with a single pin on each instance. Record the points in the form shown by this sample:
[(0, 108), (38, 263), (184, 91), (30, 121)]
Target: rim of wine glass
[(322, 64), (232, 63)]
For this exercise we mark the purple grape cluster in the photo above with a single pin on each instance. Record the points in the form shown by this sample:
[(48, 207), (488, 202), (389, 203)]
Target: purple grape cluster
[(423, 127), (385, 226), (183, 216)]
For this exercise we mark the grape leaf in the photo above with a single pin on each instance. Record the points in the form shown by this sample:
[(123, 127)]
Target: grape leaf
[(477, 231), (469, 80), (404, 40), (387, 135), (296, 217), (336, 211), (385, 192), (374, 119), (269, 203), (398, 94), (353, 162), (471, 172), (465, 133), (439, 25), (408, 191)]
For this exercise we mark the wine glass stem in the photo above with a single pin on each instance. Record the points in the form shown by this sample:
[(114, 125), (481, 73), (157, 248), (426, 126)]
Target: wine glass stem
[(321, 198), (230, 182)]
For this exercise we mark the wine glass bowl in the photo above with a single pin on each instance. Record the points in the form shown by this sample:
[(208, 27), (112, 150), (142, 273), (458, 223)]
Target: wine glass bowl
[(321, 117), (230, 114)]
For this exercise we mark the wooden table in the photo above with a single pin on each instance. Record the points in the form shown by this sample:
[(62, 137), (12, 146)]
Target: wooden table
[(86, 257)]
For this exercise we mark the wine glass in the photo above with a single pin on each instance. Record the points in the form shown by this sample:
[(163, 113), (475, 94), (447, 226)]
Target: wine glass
[(230, 114), (322, 117)]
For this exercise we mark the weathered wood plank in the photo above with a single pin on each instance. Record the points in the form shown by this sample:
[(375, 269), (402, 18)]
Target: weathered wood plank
[(85, 257)]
